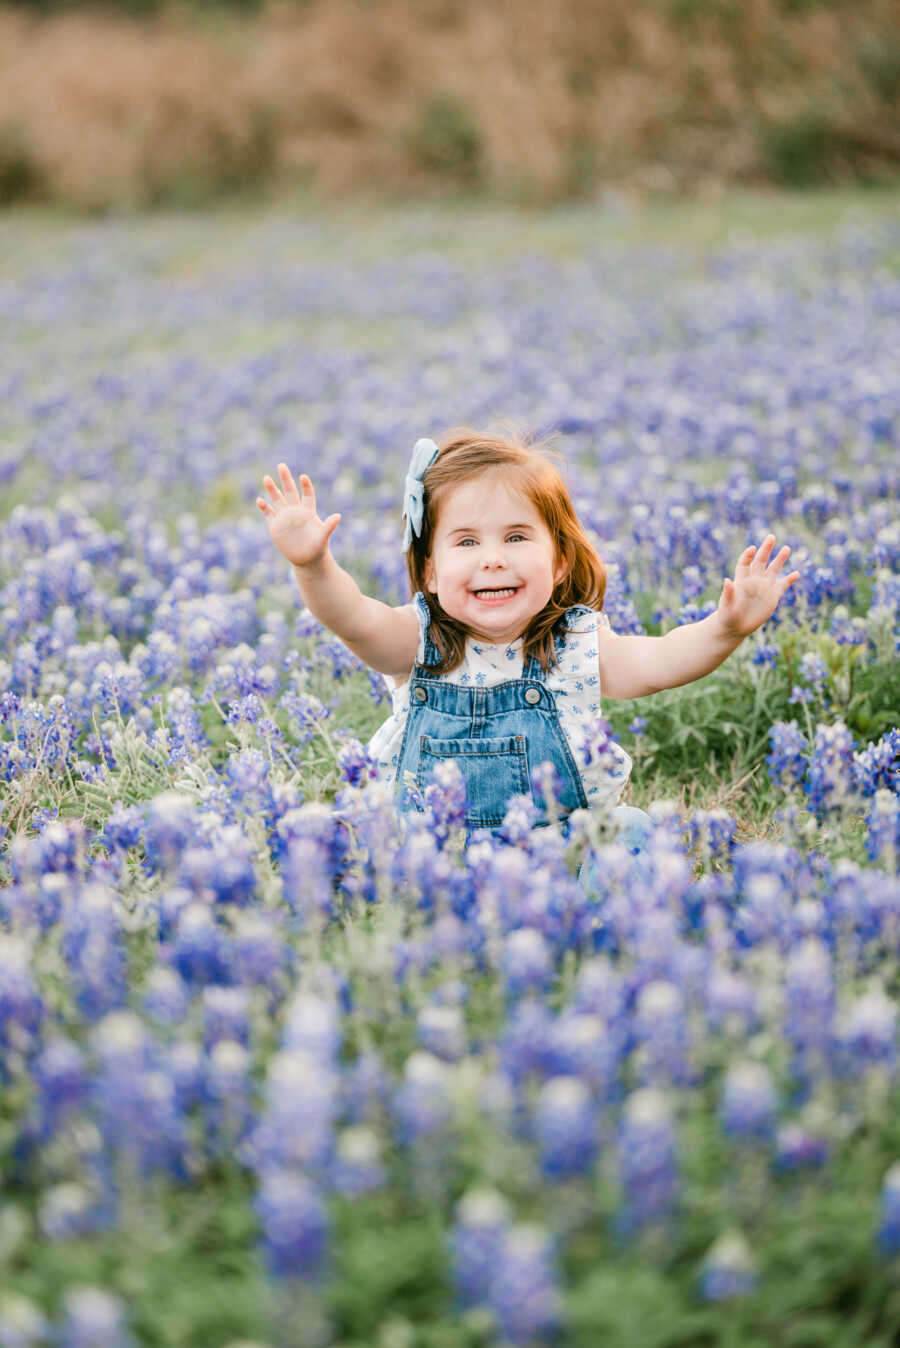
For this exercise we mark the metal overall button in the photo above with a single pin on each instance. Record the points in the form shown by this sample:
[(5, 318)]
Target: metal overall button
[(532, 696), (420, 694)]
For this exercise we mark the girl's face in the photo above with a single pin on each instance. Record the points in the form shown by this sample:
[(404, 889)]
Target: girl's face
[(493, 564)]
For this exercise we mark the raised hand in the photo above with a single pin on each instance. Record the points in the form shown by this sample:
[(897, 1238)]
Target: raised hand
[(752, 597), (294, 526)]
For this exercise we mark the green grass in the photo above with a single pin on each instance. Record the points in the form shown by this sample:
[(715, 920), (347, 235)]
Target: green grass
[(459, 227)]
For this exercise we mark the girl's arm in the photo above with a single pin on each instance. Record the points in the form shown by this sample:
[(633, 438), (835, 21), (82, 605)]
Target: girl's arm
[(632, 666), (384, 638)]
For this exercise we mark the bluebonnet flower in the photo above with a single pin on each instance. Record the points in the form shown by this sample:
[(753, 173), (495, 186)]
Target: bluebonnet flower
[(60, 848), (170, 825), (829, 780), (867, 1033), (713, 831), (524, 1291), (296, 1126), (422, 1104), (68, 1210), (247, 777), (245, 710), (878, 765), (692, 612), (445, 801), (312, 1024), (21, 1005), (638, 726), (222, 871), (226, 1015), (526, 961), (365, 1088), (889, 1216), (117, 687), (354, 761), (600, 988), (661, 1035), (809, 996), (787, 758), (93, 948), (184, 1062), (22, 1324), (357, 1167), (566, 1127), (135, 1098), (519, 821), (227, 1090), (158, 659), (199, 948), (123, 827), (304, 712), (749, 1102), (481, 1225), (764, 653), (728, 1269), (546, 785), (883, 830), (731, 1003), (294, 1222), (166, 997), (846, 630), (92, 1317), (599, 747), (441, 1030), (259, 950), (797, 1147), (588, 1047), (60, 1075), (648, 1164)]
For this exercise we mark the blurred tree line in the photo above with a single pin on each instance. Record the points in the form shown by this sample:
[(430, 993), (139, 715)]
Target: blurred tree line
[(141, 102)]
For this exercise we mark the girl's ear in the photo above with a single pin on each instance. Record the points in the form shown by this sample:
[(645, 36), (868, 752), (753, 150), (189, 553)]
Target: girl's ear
[(429, 576), (562, 567)]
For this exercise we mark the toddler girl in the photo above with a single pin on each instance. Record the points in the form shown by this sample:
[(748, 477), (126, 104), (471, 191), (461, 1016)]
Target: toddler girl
[(500, 660)]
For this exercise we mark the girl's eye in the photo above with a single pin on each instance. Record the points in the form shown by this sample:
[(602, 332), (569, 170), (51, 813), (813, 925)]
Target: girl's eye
[(463, 542), (516, 538)]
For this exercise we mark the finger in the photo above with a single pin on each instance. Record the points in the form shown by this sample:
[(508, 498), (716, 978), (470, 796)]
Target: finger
[(778, 562), (788, 581), (288, 485), (765, 549), (746, 556), (265, 507), (308, 491), (275, 495), (330, 525), (728, 590)]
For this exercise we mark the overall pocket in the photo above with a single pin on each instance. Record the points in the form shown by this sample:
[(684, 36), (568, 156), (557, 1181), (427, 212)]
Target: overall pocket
[(492, 769)]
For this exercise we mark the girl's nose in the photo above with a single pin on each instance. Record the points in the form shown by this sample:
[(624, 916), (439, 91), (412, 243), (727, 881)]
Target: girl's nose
[(494, 558)]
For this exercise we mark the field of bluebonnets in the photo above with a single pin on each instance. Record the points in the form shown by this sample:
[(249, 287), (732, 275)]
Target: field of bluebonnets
[(275, 1064)]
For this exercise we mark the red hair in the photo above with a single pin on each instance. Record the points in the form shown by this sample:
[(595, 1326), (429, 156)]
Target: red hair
[(464, 454)]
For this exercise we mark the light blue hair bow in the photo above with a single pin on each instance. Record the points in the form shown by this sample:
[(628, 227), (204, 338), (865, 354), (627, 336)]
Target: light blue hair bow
[(423, 456)]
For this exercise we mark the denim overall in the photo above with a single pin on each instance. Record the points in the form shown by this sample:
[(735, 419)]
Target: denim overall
[(497, 736)]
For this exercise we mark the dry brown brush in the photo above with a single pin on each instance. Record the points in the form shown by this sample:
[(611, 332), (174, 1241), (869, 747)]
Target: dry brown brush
[(533, 99)]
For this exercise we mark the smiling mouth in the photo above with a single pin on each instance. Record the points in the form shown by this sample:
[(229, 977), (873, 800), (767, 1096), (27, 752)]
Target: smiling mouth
[(504, 593)]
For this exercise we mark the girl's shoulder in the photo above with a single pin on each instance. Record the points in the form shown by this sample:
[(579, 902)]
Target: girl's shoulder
[(581, 619)]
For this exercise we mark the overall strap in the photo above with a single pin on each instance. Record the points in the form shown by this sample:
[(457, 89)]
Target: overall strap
[(432, 655)]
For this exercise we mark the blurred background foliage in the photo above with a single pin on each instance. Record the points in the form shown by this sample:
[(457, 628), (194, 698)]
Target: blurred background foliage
[(136, 103)]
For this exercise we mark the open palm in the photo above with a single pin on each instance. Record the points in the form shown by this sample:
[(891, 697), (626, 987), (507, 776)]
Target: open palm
[(752, 597), (294, 525)]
